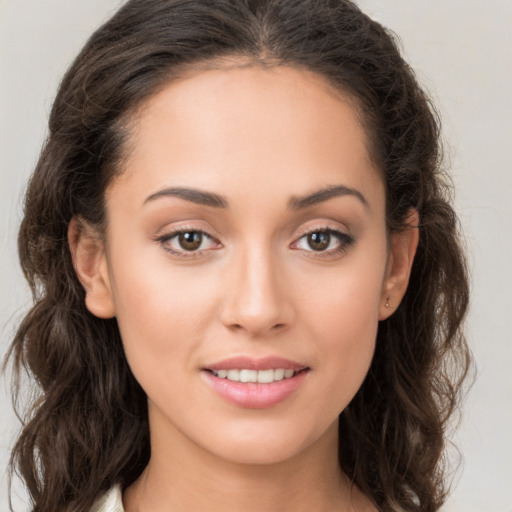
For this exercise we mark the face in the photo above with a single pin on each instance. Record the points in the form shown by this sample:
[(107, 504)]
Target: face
[(246, 232)]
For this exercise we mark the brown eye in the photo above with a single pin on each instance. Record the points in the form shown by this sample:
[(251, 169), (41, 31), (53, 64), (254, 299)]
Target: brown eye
[(188, 243), (325, 242), (319, 240), (190, 240)]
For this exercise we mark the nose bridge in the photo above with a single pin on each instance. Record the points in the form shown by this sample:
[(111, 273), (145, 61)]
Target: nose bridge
[(255, 300)]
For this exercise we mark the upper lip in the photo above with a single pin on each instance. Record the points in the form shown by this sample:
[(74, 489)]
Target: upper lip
[(251, 363)]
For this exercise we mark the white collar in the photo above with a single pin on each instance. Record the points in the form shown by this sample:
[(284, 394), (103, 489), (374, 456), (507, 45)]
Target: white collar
[(110, 502)]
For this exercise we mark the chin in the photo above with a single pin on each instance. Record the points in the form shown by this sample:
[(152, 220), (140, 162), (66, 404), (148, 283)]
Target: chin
[(272, 445), (258, 453)]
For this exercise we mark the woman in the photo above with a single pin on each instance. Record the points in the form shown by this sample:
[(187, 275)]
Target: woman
[(248, 283)]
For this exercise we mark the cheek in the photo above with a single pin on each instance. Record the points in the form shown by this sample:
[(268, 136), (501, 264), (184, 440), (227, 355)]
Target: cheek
[(342, 313), (162, 312), (346, 331)]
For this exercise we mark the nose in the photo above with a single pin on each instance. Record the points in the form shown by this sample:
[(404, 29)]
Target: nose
[(257, 298)]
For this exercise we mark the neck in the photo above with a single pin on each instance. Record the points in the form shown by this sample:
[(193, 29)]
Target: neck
[(183, 476)]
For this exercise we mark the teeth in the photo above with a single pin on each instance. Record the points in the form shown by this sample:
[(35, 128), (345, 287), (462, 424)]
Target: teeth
[(233, 375), (265, 376), (260, 376), (248, 376), (279, 374)]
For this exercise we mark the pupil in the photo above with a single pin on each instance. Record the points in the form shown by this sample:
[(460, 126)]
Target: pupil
[(319, 241), (190, 241)]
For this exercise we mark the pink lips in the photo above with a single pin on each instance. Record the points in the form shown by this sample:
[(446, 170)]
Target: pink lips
[(255, 395), (265, 363)]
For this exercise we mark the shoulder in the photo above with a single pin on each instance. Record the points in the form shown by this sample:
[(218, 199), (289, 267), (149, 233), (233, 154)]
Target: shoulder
[(110, 502)]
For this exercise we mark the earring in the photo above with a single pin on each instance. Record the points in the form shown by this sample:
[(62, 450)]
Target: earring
[(388, 305)]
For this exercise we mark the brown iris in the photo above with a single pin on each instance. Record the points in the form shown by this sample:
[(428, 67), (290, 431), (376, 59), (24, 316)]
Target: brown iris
[(190, 240), (319, 241)]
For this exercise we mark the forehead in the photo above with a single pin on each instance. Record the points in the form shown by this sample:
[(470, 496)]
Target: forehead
[(233, 130)]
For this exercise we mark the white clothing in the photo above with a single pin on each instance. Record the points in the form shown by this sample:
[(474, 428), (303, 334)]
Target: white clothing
[(110, 502)]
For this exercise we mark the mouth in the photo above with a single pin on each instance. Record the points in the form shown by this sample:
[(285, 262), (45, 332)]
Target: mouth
[(255, 383), (260, 376)]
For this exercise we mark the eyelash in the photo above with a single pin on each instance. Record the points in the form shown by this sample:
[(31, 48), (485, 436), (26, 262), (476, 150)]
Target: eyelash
[(183, 253), (345, 241)]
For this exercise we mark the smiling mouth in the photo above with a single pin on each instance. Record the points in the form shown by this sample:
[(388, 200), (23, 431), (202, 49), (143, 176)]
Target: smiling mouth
[(256, 376), (255, 383)]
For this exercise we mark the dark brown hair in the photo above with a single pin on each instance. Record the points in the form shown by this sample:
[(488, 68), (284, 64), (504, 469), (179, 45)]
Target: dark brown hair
[(88, 429)]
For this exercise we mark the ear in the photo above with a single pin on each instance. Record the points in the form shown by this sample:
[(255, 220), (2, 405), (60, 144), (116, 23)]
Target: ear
[(403, 249), (90, 262)]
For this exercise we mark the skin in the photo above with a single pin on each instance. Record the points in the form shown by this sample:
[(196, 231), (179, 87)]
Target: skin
[(259, 138)]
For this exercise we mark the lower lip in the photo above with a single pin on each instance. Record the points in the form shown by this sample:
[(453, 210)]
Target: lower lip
[(252, 395)]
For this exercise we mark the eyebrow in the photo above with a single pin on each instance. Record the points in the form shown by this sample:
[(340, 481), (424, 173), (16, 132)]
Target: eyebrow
[(295, 203), (192, 195), (299, 203)]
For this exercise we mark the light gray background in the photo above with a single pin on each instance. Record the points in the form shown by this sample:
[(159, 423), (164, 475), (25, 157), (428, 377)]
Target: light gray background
[(462, 50)]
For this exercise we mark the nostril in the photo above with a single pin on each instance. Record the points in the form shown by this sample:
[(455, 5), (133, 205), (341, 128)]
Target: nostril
[(236, 327)]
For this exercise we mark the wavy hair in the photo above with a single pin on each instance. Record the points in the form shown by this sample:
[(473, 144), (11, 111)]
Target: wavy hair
[(87, 428)]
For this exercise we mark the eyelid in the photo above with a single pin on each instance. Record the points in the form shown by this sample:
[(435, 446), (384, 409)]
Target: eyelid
[(345, 241), (173, 232)]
